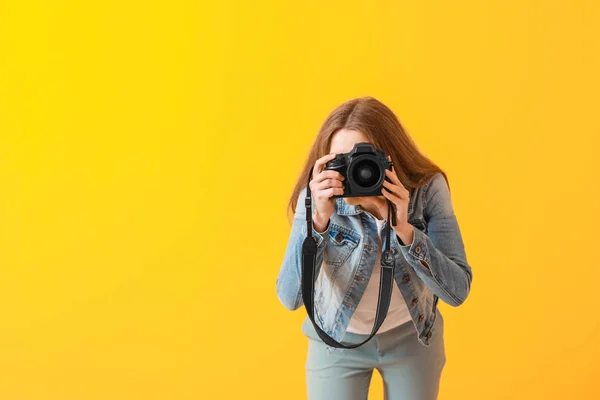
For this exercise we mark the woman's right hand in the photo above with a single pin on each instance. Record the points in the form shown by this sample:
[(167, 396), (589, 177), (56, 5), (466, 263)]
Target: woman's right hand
[(323, 185)]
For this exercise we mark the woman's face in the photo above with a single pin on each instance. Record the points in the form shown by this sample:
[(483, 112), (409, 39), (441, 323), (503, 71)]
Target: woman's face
[(343, 141)]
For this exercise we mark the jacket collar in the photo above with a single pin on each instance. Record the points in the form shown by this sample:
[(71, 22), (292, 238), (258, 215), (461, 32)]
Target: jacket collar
[(344, 208)]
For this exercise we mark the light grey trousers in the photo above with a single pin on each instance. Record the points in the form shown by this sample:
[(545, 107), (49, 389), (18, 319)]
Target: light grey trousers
[(410, 370)]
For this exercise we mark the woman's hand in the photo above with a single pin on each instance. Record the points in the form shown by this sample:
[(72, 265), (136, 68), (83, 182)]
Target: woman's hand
[(323, 185), (400, 197)]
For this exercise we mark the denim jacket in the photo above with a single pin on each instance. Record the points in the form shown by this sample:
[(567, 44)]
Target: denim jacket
[(434, 266)]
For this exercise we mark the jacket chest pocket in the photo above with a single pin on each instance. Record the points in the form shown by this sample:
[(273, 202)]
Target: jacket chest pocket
[(340, 244)]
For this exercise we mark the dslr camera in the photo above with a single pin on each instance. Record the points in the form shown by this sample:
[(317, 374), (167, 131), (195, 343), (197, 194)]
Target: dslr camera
[(363, 169)]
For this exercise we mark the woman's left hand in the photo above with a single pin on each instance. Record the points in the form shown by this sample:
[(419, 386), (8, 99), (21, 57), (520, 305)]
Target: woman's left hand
[(400, 196)]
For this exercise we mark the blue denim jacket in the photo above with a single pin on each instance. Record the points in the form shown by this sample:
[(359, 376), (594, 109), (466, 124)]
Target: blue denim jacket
[(434, 266)]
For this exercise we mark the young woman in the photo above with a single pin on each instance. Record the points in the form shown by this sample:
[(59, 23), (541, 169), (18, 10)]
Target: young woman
[(430, 263)]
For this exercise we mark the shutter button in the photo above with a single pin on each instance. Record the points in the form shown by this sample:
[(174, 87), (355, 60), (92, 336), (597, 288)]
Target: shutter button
[(339, 237)]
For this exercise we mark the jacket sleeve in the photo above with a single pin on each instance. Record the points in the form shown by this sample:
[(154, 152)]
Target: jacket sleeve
[(438, 257), (289, 280)]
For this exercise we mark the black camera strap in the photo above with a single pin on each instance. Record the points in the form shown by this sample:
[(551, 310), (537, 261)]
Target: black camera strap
[(309, 253)]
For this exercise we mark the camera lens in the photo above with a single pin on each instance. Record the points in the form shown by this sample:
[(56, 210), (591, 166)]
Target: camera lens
[(366, 173)]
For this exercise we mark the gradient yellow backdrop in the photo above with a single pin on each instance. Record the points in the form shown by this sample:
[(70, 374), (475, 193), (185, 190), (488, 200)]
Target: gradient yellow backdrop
[(148, 150)]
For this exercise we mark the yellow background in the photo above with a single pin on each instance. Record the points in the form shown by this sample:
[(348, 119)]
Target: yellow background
[(148, 150)]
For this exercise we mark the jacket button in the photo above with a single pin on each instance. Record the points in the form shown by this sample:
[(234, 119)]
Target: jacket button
[(428, 334), (418, 249), (421, 317), (406, 278), (339, 237), (393, 250), (415, 301)]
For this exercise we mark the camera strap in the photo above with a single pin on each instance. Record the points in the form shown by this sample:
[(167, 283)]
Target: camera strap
[(309, 253)]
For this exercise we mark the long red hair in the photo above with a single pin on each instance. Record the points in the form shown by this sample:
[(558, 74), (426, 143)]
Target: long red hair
[(384, 130)]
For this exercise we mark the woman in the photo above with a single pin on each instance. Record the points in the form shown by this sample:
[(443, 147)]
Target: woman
[(430, 262)]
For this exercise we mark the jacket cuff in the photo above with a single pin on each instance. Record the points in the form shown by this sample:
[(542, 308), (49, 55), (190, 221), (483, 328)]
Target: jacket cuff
[(319, 236), (417, 252)]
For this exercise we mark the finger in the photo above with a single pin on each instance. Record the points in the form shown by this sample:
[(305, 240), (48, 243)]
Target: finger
[(390, 159), (392, 175), (320, 163), (396, 190), (323, 176), (399, 183), (395, 199), (327, 193), (328, 173), (328, 183)]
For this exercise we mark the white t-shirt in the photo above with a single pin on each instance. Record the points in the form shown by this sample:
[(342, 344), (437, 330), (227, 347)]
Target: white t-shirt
[(363, 319)]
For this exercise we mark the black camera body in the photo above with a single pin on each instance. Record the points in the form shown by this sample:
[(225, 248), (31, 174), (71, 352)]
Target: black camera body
[(363, 168)]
